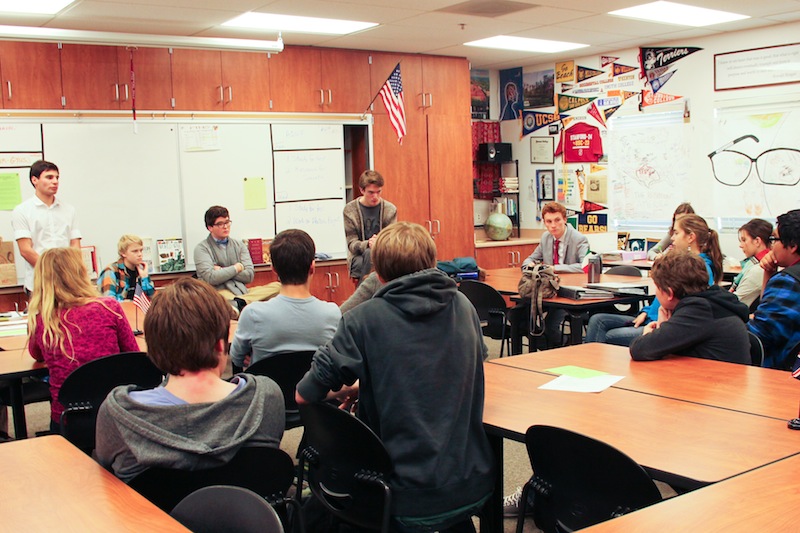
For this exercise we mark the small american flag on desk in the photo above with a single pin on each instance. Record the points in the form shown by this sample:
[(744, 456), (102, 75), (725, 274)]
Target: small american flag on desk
[(140, 299), (392, 96)]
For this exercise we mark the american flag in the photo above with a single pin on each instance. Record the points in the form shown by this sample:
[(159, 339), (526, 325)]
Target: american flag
[(140, 299), (392, 96)]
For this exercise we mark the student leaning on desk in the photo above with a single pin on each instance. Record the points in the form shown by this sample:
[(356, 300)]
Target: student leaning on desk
[(118, 280)]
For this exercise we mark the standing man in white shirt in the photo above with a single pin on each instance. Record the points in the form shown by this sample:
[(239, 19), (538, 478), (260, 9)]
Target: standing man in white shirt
[(43, 222)]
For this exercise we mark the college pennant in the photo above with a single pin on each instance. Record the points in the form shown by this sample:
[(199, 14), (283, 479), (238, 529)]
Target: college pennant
[(585, 73), (535, 120), (619, 69), (567, 102)]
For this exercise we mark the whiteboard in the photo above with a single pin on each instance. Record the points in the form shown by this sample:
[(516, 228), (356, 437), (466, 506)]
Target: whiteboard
[(20, 137), (306, 136), (322, 219), (217, 177), (309, 175), (119, 181)]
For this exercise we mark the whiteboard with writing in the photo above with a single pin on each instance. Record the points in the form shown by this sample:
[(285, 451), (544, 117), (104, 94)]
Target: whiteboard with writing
[(309, 174), (17, 137), (306, 136), (322, 219)]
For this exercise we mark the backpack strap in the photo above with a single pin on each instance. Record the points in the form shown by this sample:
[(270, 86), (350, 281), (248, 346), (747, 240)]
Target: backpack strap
[(793, 271)]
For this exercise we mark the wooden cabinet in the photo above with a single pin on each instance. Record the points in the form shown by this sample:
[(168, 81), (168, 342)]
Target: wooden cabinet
[(332, 283), (503, 256), (90, 77), (429, 176), (445, 86), (311, 80), (31, 75), (152, 77), (220, 81)]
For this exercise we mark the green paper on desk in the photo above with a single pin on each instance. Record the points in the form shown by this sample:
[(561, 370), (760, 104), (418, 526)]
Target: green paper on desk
[(576, 371), (14, 332)]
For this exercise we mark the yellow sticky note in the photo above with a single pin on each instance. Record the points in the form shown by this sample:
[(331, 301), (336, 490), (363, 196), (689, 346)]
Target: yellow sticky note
[(255, 193)]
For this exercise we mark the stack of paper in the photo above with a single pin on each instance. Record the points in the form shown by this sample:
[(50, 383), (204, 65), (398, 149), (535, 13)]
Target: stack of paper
[(13, 324), (635, 288), (582, 293), (578, 379)]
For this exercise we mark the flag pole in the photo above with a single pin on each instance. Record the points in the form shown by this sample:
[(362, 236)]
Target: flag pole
[(364, 114)]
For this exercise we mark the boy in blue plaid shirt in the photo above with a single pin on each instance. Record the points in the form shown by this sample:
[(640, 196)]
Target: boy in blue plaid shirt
[(777, 320)]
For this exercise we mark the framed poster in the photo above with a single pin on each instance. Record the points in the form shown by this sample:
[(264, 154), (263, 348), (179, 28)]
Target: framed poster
[(542, 150), (546, 185), (758, 67)]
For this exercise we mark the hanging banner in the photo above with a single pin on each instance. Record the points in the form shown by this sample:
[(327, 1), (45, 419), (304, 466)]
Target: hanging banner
[(594, 112), (651, 98), (658, 83), (565, 71), (607, 60), (510, 93), (567, 87), (618, 69), (655, 58), (610, 111), (592, 223), (585, 73), (567, 102), (534, 120)]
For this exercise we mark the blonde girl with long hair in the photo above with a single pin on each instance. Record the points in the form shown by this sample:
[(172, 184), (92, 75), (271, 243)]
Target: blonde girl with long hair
[(69, 324)]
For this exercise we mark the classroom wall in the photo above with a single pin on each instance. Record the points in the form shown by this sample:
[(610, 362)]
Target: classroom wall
[(702, 133)]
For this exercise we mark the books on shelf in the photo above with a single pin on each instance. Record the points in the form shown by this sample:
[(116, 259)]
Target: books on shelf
[(259, 251), (171, 257), (583, 293)]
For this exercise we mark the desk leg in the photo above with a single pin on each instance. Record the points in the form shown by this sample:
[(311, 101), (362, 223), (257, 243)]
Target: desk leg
[(18, 410), (492, 521), (575, 329)]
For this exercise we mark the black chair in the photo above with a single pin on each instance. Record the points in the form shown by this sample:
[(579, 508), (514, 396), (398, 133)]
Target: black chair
[(492, 311), (756, 349), (625, 270), (88, 385), (286, 370), (579, 481), (269, 472), (347, 467), (226, 509)]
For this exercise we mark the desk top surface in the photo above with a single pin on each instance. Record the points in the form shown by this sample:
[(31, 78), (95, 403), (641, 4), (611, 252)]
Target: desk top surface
[(692, 441), (59, 488), (761, 500), (754, 390)]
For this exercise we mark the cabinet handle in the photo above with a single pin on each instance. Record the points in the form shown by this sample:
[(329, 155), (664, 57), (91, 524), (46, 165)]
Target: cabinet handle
[(230, 93), (321, 97), (330, 97), (330, 281), (430, 99), (221, 94), (438, 226), (116, 92), (8, 83), (127, 95), (519, 258), (337, 279), (511, 259), (429, 225), (423, 100)]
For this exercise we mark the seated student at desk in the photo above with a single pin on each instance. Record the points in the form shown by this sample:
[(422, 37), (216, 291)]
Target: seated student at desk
[(118, 280), (564, 248), (694, 319), (69, 324), (777, 320), (664, 244), (195, 419), (754, 242)]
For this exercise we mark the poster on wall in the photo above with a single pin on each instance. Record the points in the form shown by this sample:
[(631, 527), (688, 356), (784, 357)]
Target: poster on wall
[(510, 93), (479, 93), (755, 163), (538, 88)]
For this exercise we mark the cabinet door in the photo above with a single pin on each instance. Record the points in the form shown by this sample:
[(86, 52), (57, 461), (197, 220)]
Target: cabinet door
[(295, 80), (342, 286), (410, 73), (90, 77), (345, 80), (245, 76), (197, 80), (152, 74), (445, 81), (31, 75), (498, 257), (450, 183), (321, 282)]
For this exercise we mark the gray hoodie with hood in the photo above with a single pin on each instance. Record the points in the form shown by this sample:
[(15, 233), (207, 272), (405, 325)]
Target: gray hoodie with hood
[(418, 350), (132, 437)]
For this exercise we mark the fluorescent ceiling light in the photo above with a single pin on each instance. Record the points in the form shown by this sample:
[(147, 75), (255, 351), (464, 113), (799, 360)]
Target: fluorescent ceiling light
[(680, 14), (33, 7), (523, 44), (56, 35), (291, 23)]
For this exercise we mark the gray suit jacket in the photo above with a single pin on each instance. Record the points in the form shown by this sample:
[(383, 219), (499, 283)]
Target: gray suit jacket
[(574, 247)]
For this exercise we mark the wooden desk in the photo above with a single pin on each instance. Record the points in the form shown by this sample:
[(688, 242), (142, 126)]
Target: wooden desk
[(761, 500), (53, 486), (754, 390), (682, 443), (506, 280), (15, 365)]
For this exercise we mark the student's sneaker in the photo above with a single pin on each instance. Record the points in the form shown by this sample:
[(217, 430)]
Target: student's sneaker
[(511, 504), (235, 310)]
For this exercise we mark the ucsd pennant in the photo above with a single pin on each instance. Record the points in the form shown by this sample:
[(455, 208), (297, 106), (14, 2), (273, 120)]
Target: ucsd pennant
[(534, 120)]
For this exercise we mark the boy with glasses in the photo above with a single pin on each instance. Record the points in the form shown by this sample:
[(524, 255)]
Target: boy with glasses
[(225, 263), (777, 320)]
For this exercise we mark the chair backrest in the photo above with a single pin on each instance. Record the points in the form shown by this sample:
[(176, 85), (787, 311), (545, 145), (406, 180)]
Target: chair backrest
[(483, 297), (88, 385), (756, 349), (348, 466), (269, 472), (226, 509), (625, 270), (286, 370), (580, 481)]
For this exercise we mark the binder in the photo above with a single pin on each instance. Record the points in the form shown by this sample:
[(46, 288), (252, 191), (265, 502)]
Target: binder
[(583, 293)]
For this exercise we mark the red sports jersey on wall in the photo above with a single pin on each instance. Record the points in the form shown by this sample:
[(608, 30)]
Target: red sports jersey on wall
[(583, 144)]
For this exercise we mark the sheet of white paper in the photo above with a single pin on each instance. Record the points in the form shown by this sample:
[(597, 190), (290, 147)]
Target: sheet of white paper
[(569, 383)]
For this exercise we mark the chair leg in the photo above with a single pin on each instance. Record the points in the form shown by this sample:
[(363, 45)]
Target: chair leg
[(523, 506)]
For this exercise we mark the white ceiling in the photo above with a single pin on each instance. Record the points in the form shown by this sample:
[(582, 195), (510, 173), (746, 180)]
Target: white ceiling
[(416, 26)]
